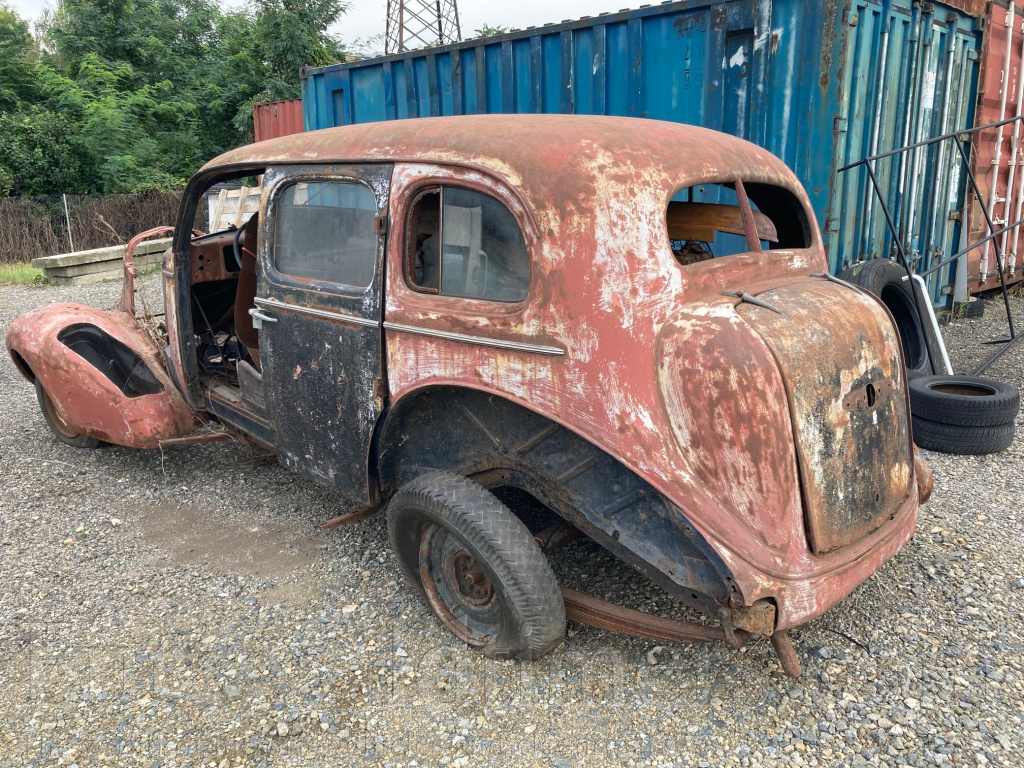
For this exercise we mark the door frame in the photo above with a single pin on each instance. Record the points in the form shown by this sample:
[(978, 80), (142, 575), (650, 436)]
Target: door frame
[(361, 309)]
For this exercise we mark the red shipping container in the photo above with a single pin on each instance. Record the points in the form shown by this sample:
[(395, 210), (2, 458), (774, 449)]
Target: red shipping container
[(278, 118), (997, 155)]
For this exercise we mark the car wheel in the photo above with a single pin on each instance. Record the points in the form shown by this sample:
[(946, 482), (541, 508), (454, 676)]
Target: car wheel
[(949, 438), (968, 401), (60, 428), (477, 565)]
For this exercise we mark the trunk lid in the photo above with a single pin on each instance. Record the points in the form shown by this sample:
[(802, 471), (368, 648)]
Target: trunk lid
[(839, 356)]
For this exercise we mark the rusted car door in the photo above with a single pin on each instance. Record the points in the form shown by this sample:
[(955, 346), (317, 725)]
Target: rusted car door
[(318, 306)]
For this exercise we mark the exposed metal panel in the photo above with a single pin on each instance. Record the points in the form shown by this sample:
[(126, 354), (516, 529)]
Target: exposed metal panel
[(818, 84), (277, 118)]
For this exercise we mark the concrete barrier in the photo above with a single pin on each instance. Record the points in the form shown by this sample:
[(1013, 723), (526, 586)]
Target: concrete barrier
[(98, 264)]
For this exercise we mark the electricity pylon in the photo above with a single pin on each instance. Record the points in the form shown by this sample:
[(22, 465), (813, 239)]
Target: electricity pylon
[(420, 23)]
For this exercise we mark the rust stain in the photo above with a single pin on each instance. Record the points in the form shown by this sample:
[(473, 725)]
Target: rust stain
[(83, 395), (855, 461), (750, 422), (659, 370)]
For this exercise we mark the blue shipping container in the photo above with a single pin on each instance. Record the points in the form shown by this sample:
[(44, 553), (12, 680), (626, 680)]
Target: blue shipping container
[(819, 84)]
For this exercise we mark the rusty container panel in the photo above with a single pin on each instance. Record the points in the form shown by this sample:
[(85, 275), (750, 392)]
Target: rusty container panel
[(849, 411), (999, 98), (818, 84), (276, 119)]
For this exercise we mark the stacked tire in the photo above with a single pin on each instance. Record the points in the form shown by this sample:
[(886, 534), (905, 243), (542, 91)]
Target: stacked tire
[(963, 414)]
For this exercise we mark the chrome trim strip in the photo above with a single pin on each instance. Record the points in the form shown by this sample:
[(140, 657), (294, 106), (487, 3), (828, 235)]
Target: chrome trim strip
[(481, 340), (318, 312)]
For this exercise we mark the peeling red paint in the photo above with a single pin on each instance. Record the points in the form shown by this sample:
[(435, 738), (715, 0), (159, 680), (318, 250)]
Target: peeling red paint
[(86, 398), (658, 369), (758, 426)]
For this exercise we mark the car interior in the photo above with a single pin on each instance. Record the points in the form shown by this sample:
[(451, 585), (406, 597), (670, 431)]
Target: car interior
[(223, 290), (705, 221)]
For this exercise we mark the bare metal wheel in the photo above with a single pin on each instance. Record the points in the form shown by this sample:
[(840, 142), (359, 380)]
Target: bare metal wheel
[(457, 588), (477, 565), (61, 429)]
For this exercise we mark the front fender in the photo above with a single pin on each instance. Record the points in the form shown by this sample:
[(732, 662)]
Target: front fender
[(103, 373)]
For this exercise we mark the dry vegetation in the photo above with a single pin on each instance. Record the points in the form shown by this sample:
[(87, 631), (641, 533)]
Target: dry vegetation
[(33, 227)]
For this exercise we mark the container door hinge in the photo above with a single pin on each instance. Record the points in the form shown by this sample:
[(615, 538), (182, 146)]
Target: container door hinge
[(840, 124)]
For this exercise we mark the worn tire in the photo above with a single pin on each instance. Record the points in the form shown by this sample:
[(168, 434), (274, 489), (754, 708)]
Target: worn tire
[(967, 401), (886, 279), (61, 429), (947, 438), (532, 613)]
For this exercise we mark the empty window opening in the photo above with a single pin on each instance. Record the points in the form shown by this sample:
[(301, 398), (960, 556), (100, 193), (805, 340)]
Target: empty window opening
[(706, 221), (465, 244)]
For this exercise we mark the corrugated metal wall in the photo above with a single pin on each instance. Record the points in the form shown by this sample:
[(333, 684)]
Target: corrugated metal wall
[(803, 79), (998, 98), (277, 118), (912, 75)]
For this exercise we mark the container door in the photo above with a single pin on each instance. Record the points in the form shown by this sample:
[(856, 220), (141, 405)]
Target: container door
[(318, 305)]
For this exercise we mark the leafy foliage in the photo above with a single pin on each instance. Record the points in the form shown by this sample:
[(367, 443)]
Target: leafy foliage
[(488, 31), (134, 95)]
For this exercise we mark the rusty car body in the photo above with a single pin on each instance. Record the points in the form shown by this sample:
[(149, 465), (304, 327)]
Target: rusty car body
[(670, 368)]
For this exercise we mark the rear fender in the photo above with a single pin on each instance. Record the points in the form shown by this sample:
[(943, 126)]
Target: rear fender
[(497, 442), (104, 374)]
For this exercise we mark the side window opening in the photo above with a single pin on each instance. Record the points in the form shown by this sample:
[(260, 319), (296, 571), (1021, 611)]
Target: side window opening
[(465, 244), (424, 240), (325, 232), (706, 222)]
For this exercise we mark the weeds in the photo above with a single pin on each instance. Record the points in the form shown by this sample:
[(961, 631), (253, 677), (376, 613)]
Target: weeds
[(21, 273)]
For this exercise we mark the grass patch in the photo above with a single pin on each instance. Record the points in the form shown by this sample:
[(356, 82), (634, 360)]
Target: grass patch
[(21, 273)]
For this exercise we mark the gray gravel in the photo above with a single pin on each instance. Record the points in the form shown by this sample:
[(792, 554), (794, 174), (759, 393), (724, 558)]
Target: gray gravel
[(181, 608)]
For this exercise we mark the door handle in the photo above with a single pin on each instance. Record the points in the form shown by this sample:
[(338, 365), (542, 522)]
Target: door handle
[(258, 318)]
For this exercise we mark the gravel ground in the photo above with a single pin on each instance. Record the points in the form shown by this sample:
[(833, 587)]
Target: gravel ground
[(181, 608)]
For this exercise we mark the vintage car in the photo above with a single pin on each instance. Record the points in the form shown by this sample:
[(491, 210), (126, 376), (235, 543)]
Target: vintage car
[(631, 321)]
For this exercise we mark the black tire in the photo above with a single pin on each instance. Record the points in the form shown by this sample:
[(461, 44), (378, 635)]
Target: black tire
[(963, 441), (523, 610), (60, 428), (967, 401), (887, 280)]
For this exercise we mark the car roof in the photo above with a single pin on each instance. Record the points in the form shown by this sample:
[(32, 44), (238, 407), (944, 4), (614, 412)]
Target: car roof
[(528, 150)]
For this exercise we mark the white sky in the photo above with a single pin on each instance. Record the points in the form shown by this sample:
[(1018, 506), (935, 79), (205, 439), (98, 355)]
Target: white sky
[(365, 18)]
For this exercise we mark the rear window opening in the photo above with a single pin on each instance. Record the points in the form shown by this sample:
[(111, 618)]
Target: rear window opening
[(706, 221)]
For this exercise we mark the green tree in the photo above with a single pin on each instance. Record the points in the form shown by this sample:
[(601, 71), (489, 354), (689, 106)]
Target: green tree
[(488, 31), (267, 45), (17, 77), (132, 95)]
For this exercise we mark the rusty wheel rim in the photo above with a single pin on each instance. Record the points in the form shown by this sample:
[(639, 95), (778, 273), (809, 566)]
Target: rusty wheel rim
[(457, 587), (55, 418)]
